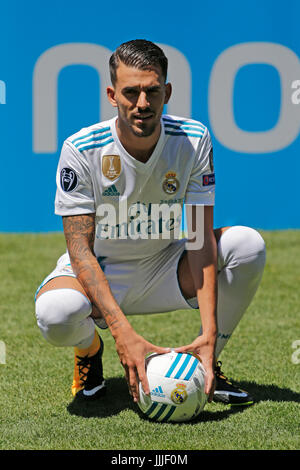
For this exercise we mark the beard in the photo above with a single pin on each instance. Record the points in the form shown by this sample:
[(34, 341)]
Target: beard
[(144, 130)]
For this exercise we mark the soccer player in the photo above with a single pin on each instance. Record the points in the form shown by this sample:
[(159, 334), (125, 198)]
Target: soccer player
[(114, 181)]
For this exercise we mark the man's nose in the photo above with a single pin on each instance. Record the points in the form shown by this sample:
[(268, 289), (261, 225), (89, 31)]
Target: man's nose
[(142, 101)]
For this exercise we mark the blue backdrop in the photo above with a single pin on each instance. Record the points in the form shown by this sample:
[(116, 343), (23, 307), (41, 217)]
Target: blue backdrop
[(234, 66)]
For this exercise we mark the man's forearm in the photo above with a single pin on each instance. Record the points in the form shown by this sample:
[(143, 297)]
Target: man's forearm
[(203, 266), (79, 233), (95, 284)]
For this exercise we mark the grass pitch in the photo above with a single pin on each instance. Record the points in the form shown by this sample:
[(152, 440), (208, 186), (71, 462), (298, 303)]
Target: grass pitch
[(37, 410)]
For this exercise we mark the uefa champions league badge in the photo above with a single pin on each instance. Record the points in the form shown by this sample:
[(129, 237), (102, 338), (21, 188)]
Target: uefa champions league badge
[(170, 183), (68, 180), (179, 394)]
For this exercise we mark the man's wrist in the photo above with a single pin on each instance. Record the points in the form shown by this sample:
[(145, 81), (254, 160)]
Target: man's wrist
[(210, 336), (119, 326)]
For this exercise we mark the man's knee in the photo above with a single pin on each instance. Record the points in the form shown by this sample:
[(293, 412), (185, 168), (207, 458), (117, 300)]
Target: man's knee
[(242, 245), (59, 312)]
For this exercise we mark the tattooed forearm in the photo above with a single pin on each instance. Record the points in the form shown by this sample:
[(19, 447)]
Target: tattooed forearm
[(80, 235)]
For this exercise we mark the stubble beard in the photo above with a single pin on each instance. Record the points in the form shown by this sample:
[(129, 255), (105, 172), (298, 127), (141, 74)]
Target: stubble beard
[(144, 131)]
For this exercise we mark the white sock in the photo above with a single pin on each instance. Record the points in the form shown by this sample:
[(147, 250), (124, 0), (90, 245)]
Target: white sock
[(241, 261)]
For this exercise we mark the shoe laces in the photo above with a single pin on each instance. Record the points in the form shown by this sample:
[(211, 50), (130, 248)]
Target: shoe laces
[(220, 374), (84, 364)]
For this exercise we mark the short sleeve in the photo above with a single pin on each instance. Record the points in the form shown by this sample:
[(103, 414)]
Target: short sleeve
[(74, 190), (201, 185)]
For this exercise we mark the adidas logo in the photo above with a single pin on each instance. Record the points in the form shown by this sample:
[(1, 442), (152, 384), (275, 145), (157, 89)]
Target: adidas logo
[(111, 191), (157, 392)]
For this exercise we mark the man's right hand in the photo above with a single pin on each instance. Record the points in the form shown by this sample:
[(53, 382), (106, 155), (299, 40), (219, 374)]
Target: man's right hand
[(204, 348), (132, 349)]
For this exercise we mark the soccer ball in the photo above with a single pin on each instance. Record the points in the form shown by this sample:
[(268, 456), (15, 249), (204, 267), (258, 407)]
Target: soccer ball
[(176, 382)]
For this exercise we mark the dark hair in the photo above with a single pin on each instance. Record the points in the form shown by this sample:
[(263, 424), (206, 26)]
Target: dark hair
[(140, 54)]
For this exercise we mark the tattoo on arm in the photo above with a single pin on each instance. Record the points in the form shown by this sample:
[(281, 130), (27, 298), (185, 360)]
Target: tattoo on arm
[(79, 232)]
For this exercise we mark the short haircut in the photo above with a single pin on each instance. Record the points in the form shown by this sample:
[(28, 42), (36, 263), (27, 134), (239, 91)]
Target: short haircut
[(140, 54)]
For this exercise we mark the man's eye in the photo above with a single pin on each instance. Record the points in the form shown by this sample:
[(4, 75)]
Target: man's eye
[(130, 92)]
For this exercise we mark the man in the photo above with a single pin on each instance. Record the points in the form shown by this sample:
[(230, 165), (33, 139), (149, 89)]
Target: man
[(112, 177)]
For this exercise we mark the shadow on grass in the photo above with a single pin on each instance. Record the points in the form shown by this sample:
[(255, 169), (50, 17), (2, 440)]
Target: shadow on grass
[(262, 392), (259, 392), (117, 399)]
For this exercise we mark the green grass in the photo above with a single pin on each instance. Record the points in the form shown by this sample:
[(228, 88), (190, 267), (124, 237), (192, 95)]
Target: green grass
[(37, 410)]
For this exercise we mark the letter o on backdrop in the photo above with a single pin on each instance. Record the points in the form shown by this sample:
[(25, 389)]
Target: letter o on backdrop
[(220, 99)]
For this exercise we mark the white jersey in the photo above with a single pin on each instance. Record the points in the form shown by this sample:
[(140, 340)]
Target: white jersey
[(136, 204)]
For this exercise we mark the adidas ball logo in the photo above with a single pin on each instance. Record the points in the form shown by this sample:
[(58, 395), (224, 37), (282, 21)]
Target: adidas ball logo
[(157, 392)]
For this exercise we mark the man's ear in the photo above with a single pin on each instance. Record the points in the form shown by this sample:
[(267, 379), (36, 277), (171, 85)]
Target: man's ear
[(111, 96), (168, 89)]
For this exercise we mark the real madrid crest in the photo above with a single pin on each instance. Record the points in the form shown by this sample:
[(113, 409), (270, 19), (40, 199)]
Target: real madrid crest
[(170, 183), (111, 166), (179, 394)]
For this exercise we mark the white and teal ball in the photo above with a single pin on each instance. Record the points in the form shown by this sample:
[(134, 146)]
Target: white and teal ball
[(176, 382)]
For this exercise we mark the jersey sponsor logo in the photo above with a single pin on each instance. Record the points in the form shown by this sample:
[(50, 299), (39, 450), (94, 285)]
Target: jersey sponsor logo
[(209, 180), (68, 180), (111, 166), (170, 183), (138, 221)]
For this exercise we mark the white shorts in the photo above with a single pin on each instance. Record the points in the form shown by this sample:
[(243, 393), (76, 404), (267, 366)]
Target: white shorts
[(148, 285)]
